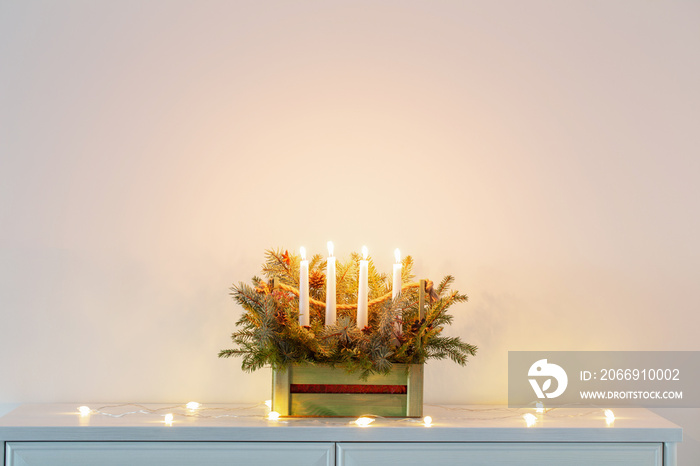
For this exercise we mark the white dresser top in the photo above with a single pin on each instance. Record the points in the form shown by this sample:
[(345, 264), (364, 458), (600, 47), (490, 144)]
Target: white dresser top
[(228, 422)]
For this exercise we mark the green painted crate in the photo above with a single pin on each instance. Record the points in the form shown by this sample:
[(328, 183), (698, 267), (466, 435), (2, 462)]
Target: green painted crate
[(287, 401)]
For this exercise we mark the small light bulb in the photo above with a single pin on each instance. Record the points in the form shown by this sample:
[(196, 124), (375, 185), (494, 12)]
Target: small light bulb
[(364, 252), (192, 405), (539, 407), (530, 419), (169, 419), (397, 255), (268, 403), (302, 251), (609, 416), (84, 411), (427, 420), (273, 416), (330, 248), (364, 421)]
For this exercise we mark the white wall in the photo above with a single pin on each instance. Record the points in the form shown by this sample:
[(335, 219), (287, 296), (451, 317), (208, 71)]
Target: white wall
[(544, 153)]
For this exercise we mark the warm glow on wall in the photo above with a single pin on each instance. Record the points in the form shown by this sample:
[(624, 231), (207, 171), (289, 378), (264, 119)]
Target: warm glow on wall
[(141, 177)]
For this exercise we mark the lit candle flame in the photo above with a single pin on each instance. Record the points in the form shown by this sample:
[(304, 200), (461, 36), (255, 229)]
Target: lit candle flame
[(364, 252), (302, 251), (397, 255), (330, 248)]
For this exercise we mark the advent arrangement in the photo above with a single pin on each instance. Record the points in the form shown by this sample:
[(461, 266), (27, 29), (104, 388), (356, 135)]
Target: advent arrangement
[(342, 338)]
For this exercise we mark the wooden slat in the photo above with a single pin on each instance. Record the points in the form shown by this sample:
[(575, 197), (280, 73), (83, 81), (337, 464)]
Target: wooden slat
[(308, 374), (414, 402), (345, 404), (280, 392), (346, 388)]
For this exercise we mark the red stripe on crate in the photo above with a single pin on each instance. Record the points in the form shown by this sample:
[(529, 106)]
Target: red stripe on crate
[(329, 388)]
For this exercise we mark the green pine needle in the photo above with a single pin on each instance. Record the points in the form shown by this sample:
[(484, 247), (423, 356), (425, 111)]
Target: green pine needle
[(268, 333)]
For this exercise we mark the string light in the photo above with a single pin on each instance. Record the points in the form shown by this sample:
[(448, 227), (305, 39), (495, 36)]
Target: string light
[(192, 406), (530, 419), (364, 421), (199, 413), (262, 409), (169, 419), (609, 416)]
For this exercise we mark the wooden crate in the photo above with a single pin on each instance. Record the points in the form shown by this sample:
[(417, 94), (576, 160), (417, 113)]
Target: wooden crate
[(317, 390)]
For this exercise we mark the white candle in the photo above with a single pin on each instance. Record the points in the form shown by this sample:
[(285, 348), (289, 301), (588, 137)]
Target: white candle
[(362, 291), (330, 286), (396, 286), (304, 289)]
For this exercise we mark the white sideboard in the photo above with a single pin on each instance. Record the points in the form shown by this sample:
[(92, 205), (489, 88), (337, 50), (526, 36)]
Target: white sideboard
[(56, 435)]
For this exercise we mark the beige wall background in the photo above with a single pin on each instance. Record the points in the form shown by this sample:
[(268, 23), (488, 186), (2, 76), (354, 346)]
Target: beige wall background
[(545, 153)]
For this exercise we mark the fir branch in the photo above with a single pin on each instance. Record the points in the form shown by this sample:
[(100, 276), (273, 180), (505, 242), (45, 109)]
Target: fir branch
[(445, 284), (268, 331)]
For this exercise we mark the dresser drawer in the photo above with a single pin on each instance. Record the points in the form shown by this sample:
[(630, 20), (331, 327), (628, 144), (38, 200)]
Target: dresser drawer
[(169, 453), (521, 454)]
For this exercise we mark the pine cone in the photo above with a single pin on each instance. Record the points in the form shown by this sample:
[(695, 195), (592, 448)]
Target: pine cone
[(281, 317), (416, 324), (317, 279)]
